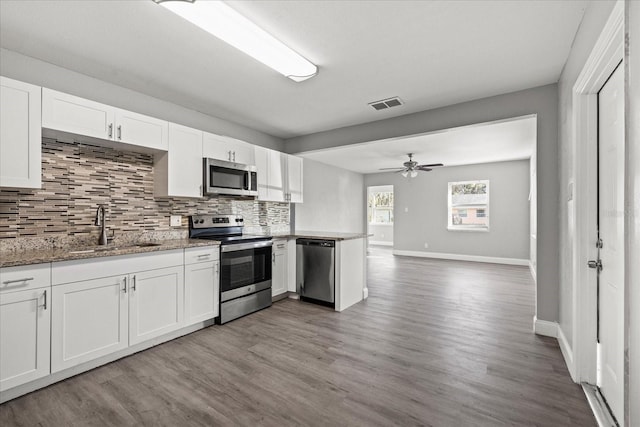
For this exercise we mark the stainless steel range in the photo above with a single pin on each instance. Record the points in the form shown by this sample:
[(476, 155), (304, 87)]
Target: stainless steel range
[(245, 264)]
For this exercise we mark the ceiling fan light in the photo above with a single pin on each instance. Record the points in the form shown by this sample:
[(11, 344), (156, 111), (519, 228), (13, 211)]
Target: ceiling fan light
[(222, 21), (404, 173), (413, 174)]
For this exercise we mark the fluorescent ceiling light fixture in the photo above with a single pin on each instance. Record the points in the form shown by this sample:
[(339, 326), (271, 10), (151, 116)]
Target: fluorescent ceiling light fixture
[(217, 18)]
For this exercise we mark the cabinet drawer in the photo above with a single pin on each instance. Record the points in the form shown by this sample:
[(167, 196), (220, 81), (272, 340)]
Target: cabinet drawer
[(25, 277), (195, 255), (279, 245)]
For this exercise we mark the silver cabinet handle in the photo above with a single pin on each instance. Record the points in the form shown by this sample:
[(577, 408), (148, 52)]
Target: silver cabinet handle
[(125, 285), (120, 132), (229, 155), (204, 256), (8, 282), (273, 258), (110, 130), (234, 156), (44, 306), (133, 283)]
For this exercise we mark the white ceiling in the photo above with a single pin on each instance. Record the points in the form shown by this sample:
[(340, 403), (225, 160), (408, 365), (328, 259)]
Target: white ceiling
[(482, 143), (429, 53)]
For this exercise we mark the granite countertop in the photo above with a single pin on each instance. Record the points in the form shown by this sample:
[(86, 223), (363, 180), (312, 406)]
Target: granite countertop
[(43, 255), (329, 235)]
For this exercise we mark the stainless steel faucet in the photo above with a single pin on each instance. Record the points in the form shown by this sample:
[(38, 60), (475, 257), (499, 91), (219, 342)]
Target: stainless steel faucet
[(101, 221)]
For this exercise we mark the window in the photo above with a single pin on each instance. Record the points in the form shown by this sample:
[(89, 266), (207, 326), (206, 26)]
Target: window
[(380, 205), (468, 205)]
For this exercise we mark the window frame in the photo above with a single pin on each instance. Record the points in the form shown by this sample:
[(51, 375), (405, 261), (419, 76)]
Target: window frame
[(389, 208), (486, 207)]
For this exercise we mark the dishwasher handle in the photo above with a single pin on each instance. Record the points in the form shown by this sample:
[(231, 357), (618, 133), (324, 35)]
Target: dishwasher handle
[(316, 242)]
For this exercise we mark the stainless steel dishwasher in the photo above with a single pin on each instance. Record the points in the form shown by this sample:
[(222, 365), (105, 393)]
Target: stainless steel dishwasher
[(315, 271)]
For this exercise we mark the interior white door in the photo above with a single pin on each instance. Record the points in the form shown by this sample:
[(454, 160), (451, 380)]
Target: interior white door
[(611, 232)]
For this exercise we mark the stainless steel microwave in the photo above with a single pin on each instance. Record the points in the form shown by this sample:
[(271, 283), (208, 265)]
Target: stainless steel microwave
[(221, 177)]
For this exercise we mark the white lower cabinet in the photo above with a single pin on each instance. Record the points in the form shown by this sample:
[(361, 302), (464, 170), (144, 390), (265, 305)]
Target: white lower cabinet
[(201, 291), (25, 325), (279, 270), (156, 304), (89, 320)]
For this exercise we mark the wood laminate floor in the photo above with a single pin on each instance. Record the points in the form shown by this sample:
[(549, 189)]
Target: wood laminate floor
[(438, 343)]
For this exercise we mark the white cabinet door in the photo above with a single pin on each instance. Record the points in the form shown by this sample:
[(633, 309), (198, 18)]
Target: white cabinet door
[(20, 134), (261, 156), (25, 325), (279, 271), (202, 292), (140, 130), (241, 152), (215, 147), (294, 178), (277, 176), (227, 148), (89, 320), (68, 113), (156, 303), (178, 173)]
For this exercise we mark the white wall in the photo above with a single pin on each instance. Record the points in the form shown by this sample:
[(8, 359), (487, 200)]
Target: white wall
[(592, 23), (421, 211), (34, 71), (333, 200)]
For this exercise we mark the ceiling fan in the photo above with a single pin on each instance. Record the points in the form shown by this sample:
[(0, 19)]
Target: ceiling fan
[(412, 167)]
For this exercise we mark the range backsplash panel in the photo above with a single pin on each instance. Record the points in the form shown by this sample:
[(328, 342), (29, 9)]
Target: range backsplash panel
[(77, 177)]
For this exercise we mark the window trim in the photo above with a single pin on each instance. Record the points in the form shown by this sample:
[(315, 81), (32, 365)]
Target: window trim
[(471, 228)]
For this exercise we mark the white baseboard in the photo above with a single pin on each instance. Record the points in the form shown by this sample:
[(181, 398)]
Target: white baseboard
[(376, 243), (460, 257), (533, 272), (567, 353), (544, 327)]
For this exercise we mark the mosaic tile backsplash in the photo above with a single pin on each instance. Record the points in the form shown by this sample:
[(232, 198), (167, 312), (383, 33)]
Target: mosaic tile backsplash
[(76, 178)]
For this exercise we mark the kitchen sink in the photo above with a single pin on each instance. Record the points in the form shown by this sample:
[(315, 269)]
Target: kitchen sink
[(96, 249), (147, 245)]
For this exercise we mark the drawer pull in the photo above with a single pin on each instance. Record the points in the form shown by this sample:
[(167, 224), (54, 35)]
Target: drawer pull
[(204, 256), (44, 306), (8, 282)]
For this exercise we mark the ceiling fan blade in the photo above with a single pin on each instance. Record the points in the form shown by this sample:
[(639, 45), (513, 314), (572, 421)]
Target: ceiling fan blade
[(423, 169), (432, 165), (388, 169)]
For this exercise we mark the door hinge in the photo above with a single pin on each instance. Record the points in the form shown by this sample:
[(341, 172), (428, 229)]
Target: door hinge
[(599, 244), (595, 264)]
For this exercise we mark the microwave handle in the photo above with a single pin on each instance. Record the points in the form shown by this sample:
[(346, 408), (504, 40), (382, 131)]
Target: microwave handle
[(247, 180)]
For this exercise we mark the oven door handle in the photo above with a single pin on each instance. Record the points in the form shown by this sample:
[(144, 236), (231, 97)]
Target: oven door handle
[(243, 246)]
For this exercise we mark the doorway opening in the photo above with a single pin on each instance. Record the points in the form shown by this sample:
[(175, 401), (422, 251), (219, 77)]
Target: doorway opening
[(380, 215)]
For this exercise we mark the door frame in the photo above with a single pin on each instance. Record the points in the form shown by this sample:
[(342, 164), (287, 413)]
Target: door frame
[(607, 53)]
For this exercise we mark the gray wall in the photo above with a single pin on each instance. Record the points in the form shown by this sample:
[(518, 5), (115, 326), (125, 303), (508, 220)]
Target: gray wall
[(593, 21), (420, 210), (333, 200), (382, 233), (34, 71), (542, 101)]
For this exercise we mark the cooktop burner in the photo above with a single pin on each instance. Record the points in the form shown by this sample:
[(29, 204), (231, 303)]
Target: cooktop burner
[(225, 228)]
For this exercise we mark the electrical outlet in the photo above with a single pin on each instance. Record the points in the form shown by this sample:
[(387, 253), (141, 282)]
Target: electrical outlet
[(175, 220)]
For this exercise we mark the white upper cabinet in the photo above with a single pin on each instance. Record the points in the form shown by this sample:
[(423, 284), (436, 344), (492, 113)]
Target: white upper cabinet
[(178, 173), (228, 149), (279, 176), (294, 178), (271, 174), (141, 130), (20, 134), (72, 114)]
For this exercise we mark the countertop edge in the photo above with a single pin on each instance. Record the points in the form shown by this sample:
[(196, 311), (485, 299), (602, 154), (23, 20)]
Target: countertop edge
[(43, 256)]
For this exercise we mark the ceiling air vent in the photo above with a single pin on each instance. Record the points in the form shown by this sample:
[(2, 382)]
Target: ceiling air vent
[(386, 103)]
